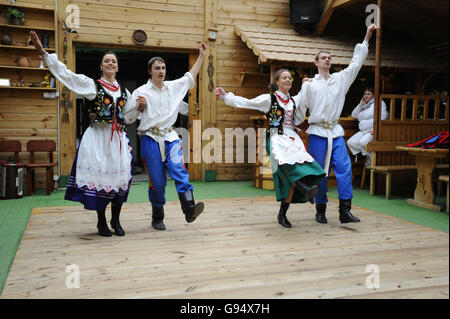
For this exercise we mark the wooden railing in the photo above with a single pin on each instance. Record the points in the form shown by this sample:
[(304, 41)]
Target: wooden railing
[(412, 118)]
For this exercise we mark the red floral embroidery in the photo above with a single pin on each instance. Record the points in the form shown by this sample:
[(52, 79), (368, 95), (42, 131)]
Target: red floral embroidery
[(107, 101)]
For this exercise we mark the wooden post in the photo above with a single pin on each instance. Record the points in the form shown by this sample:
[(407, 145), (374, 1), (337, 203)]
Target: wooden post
[(377, 111), (68, 121), (209, 78)]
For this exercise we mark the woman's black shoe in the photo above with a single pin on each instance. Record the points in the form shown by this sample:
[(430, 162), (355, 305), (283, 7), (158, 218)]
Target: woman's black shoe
[(103, 229), (282, 220), (115, 223)]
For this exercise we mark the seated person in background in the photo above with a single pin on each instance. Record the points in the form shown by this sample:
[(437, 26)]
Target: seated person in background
[(364, 113)]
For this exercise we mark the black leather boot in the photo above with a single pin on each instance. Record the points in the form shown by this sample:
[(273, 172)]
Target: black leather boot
[(102, 227), (282, 220), (320, 213), (308, 192), (344, 212), (191, 210), (115, 223), (158, 217)]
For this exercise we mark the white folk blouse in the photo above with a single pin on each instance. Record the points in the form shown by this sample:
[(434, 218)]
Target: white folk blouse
[(104, 159), (287, 148)]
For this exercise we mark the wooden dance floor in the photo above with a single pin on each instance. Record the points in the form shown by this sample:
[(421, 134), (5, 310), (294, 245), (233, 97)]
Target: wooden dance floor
[(236, 249)]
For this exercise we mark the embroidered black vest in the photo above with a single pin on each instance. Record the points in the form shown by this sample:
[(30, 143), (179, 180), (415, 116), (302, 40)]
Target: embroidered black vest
[(275, 116), (105, 109)]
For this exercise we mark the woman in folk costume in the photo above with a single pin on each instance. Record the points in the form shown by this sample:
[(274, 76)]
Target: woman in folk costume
[(295, 172), (102, 169), (364, 113)]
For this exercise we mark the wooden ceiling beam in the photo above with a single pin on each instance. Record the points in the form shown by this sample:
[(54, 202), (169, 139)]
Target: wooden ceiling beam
[(330, 6)]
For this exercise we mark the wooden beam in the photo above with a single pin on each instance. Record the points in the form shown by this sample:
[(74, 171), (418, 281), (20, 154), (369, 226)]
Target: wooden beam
[(209, 77), (329, 8), (377, 110), (326, 16)]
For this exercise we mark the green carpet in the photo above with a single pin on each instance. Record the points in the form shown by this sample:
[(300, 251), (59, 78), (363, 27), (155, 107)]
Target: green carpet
[(14, 213)]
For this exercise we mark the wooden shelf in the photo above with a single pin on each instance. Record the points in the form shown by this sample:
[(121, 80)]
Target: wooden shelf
[(16, 47), (244, 74), (28, 6), (27, 88), (22, 68), (12, 26)]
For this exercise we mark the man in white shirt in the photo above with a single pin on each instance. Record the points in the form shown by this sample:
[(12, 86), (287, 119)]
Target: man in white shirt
[(160, 145), (324, 96)]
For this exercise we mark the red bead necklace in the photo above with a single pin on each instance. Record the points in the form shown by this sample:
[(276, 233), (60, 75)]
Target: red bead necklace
[(284, 101), (110, 86)]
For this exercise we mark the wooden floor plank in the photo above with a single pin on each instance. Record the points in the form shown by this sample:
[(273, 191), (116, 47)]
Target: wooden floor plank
[(234, 249)]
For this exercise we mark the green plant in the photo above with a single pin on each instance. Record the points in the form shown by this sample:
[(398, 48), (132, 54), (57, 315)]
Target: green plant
[(15, 13)]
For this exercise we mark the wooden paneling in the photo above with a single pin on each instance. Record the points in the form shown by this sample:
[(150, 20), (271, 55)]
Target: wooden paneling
[(233, 56), (24, 114)]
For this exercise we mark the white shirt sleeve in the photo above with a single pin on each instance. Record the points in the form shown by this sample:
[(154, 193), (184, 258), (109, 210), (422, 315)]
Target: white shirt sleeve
[(77, 83), (183, 108), (356, 111), (131, 108), (359, 56), (384, 111), (260, 103), (301, 101), (184, 83)]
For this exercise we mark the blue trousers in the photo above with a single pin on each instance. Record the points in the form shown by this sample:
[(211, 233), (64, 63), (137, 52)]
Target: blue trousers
[(340, 161), (156, 169)]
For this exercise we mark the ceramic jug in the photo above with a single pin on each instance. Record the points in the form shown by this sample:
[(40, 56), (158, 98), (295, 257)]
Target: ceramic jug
[(23, 61)]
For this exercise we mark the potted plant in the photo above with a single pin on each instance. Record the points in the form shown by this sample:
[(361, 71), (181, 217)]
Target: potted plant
[(15, 16)]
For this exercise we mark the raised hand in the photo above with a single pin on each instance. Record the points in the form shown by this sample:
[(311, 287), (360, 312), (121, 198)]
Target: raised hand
[(37, 43), (369, 32), (203, 48), (305, 79), (220, 92), (142, 102)]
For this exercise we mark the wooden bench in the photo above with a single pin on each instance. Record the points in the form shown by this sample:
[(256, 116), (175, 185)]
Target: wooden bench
[(444, 178), (388, 170)]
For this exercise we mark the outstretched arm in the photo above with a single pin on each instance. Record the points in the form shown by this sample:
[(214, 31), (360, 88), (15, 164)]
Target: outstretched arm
[(359, 56), (78, 83), (198, 64), (260, 103)]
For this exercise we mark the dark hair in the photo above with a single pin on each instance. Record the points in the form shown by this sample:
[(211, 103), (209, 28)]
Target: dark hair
[(109, 52), (370, 89), (103, 55), (153, 60), (321, 51), (273, 86)]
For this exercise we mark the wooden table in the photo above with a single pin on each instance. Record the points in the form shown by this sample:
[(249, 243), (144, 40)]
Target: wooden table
[(426, 160)]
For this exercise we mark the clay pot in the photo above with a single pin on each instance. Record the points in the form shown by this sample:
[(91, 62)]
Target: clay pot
[(15, 21), (23, 61), (6, 39)]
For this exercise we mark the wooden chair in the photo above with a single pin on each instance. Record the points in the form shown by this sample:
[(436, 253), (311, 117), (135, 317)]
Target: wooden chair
[(13, 146), (40, 146)]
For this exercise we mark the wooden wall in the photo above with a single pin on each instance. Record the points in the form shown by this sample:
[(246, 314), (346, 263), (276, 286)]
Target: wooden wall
[(233, 56), (175, 24), (24, 113)]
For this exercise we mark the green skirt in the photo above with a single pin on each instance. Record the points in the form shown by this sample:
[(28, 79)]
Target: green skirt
[(286, 175)]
